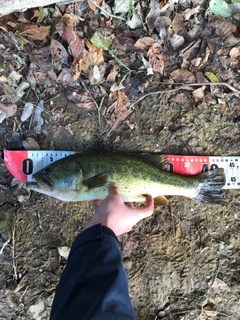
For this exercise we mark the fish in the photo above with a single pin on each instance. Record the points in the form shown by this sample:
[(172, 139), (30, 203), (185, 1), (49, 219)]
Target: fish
[(86, 176)]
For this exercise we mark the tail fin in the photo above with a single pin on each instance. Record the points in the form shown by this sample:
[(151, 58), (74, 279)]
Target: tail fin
[(210, 185)]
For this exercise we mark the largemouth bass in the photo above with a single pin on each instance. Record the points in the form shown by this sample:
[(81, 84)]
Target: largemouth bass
[(86, 176)]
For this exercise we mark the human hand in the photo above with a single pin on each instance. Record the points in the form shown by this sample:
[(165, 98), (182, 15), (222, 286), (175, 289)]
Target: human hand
[(112, 212)]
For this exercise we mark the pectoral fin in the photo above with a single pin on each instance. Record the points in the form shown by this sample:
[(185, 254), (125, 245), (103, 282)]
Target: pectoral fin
[(96, 202), (96, 181), (160, 201)]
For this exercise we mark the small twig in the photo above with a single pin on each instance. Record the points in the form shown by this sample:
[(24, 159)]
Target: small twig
[(93, 100), (39, 221), (182, 86), (4, 245), (13, 252), (109, 14)]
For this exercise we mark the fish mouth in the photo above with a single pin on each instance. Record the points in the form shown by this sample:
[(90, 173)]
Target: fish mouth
[(41, 183), (43, 180)]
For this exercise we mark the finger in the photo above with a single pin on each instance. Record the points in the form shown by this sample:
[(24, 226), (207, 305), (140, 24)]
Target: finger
[(148, 209), (129, 204), (113, 188)]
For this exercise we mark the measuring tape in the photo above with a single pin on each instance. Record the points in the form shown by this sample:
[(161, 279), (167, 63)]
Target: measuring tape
[(22, 164)]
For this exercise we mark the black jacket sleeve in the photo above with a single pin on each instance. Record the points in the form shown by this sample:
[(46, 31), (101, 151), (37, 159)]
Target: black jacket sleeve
[(94, 283)]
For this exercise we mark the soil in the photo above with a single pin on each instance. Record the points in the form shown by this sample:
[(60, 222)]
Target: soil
[(183, 262)]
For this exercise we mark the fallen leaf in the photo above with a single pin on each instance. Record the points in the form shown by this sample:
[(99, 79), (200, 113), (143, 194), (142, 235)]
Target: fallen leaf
[(176, 41), (198, 93), (118, 108), (100, 42), (92, 5), (177, 23), (153, 14), (75, 43), (8, 109), (81, 100), (35, 32), (117, 86), (14, 78), (4, 22), (112, 75), (121, 6), (15, 94), (144, 43), (162, 25), (222, 27), (37, 119), (234, 52), (40, 13), (147, 65), (183, 76), (220, 286), (30, 144), (27, 111), (211, 76), (64, 252), (190, 12), (220, 7), (67, 20), (136, 20), (156, 59), (92, 62), (41, 59), (59, 54)]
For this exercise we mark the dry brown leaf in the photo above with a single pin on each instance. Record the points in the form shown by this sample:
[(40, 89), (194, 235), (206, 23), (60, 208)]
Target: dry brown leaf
[(40, 13), (35, 32), (156, 59), (8, 109), (4, 22), (112, 75), (75, 43), (92, 5), (92, 63), (59, 53), (41, 59), (67, 20), (177, 23), (81, 100), (118, 108), (190, 12), (223, 27), (198, 93), (91, 56), (144, 43), (183, 76)]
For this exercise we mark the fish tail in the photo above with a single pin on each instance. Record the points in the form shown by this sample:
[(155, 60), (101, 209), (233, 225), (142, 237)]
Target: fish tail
[(210, 185)]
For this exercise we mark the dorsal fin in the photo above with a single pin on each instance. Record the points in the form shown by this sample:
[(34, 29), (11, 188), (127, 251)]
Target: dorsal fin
[(156, 159)]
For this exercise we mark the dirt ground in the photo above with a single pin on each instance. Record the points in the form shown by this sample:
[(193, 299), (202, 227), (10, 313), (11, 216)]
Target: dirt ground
[(183, 262)]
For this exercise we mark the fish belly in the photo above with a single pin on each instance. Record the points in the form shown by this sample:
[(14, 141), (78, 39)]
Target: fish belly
[(134, 191)]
